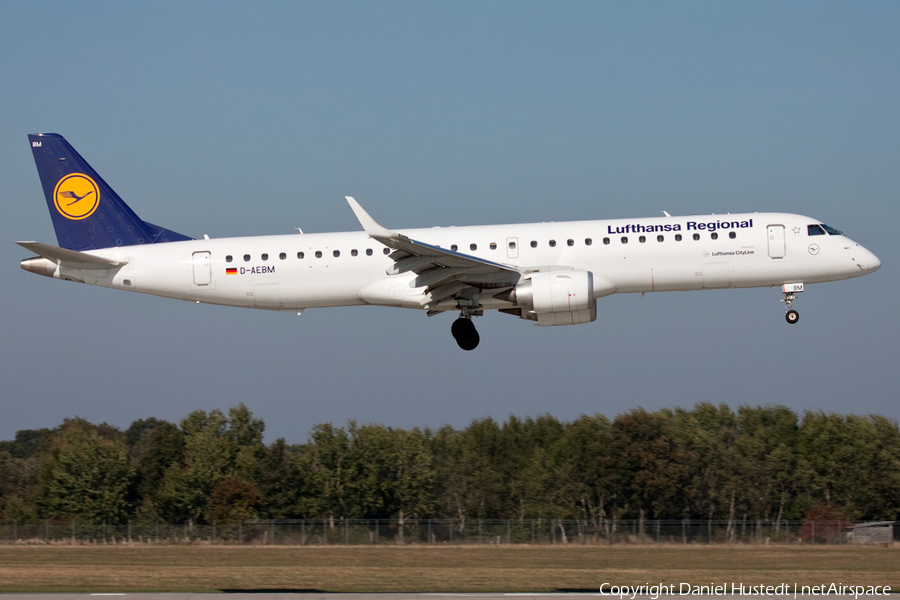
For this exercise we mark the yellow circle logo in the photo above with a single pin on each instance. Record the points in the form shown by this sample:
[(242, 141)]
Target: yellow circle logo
[(76, 196)]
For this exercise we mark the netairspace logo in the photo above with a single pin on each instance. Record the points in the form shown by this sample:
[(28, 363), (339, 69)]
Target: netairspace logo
[(739, 589)]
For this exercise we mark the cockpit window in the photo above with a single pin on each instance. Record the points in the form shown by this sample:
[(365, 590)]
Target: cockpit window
[(815, 230), (831, 230)]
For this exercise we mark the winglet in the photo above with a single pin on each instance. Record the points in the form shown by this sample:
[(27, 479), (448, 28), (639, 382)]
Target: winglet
[(374, 230)]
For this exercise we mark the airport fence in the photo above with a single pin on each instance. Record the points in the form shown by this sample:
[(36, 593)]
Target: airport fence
[(330, 531)]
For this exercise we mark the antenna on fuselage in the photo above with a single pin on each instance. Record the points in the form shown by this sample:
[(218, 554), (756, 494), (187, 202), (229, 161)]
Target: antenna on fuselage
[(667, 214)]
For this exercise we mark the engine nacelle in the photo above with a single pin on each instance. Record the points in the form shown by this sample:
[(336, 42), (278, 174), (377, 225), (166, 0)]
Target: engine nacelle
[(557, 298)]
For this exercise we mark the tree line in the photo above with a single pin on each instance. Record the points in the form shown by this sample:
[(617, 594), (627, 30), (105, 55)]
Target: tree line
[(708, 462)]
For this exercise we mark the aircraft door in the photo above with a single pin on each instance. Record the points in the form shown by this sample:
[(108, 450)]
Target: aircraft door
[(202, 268), (512, 247), (775, 234)]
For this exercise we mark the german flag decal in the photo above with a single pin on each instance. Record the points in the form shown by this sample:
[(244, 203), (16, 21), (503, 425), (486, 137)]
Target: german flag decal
[(231, 271)]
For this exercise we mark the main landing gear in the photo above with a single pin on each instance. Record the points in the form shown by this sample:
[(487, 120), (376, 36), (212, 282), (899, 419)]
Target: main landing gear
[(463, 331)]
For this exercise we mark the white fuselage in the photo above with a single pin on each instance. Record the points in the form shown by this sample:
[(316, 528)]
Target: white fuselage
[(293, 272)]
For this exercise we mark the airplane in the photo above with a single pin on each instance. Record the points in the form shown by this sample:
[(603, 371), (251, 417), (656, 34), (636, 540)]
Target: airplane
[(549, 273)]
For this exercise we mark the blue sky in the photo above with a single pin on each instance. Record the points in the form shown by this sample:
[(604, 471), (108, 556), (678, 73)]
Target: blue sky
[(226, 118)]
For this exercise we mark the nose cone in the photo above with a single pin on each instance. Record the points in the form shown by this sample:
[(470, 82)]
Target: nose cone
[(874, 263), (866, 261)]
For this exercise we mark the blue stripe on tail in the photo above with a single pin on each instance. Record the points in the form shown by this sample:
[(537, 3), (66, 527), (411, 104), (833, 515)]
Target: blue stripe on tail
[(87, 214)]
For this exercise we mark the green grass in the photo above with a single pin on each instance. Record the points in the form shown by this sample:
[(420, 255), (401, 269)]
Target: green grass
[(52, 568)]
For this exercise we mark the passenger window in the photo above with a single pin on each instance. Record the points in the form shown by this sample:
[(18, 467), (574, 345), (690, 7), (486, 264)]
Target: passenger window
[(570, 243), (336, 253), (677, 237), (265, 257), (368, 252), (300, 255), (228, 258), (533, 244), (732, 234), (553, 243), (696, 236), (246, 258), (282, 256), (660, 238), (318, 254), (642, 239), (454, 247), (588, 241), (714, 235), (493, 245), (606, 241), (512, 245), (387, 251), (473, 247), (814, 230), (624, 240), (354, 253)]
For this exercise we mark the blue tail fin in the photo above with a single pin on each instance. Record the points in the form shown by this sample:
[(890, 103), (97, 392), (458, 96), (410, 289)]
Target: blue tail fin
[(87, 214)]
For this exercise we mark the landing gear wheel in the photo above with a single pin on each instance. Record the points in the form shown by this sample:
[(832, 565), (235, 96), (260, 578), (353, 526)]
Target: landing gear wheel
[(791, 315), (472, 344), (462, 328), (463, 331)]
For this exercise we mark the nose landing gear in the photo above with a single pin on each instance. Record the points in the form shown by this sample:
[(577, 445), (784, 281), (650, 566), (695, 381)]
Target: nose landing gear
[(464, 332), (790, 315), (789, 289)]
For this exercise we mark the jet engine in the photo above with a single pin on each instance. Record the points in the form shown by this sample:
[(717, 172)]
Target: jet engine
[(554, 298)]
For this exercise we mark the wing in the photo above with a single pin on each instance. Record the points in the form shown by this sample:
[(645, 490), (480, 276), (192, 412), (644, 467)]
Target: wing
[(442, 272)]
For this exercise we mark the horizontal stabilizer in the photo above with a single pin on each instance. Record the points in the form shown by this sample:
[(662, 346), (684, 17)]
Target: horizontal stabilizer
[(70, 258)]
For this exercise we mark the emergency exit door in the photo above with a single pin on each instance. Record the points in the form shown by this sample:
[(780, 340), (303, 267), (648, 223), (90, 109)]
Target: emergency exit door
[(775, 233), (202, 268)]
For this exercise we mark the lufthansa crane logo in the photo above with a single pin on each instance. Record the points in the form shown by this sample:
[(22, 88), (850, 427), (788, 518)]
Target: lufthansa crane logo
[(76, 196)]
